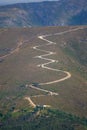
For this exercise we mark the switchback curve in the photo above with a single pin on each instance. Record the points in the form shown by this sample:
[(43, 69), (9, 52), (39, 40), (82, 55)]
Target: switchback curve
[(50, 61)]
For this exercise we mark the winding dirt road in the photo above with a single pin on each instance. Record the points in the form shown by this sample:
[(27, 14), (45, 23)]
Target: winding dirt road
[(68, 75), (50, 61), (45, 65)]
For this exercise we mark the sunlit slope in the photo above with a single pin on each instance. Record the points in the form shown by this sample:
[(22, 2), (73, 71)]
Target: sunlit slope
[(18, 67)]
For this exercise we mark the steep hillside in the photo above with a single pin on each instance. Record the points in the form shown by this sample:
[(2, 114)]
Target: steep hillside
[(63, 12), (30, 58), (20, 67)]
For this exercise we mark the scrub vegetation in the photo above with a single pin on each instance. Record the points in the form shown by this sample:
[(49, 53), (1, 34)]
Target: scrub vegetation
[(19, 68)]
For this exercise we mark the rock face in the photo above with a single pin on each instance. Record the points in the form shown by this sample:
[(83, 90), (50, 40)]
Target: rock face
[(63, 12)]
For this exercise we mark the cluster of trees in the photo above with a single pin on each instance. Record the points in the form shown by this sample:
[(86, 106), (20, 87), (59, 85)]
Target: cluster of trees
[(46, 119)]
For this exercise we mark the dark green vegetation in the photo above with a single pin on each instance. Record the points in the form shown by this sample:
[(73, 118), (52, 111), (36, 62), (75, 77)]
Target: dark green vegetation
[(44, 119), (20, 68), (63, 12)]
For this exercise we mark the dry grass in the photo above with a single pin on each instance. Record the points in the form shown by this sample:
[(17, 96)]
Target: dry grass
[(21, 68)]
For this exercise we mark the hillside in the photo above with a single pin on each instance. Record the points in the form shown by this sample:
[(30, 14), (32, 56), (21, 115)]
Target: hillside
[(43, 68), (63, 12)]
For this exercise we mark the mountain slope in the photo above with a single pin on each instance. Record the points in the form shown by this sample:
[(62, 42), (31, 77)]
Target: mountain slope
[(19, 68), (64, 12)]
